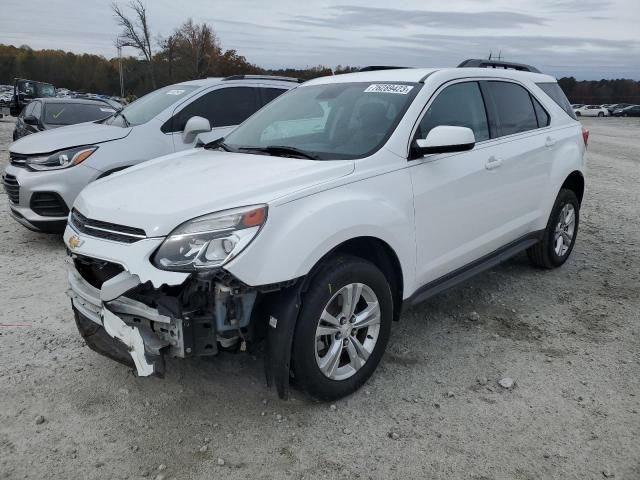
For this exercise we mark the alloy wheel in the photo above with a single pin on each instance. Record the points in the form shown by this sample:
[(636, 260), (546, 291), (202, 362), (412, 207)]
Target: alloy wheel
[(565, 230), (347, 331)]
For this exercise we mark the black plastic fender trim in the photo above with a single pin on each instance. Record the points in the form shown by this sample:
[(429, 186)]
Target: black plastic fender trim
[(283, 310)]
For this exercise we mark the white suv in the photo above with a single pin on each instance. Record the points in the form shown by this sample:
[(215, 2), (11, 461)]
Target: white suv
[(48, 170), (322, 216)]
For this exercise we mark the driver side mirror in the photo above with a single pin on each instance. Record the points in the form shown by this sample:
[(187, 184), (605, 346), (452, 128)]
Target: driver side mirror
[(444, 139), (30, 120), (194, 127)]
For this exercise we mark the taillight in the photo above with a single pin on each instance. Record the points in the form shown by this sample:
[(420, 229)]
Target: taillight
[(585, 136)]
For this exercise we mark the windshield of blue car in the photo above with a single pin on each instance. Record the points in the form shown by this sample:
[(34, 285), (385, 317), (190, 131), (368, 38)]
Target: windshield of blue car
[(330, 121), (72, 113), (147, 107)]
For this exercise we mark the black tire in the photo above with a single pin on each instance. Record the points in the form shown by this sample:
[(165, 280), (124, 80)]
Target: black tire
[(600, 114), (101, 342), (332, 277), (543, 253), (578, 114)]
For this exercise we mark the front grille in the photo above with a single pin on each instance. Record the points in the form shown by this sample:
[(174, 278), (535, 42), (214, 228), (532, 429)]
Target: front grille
[(12, 187), (105, 230), (95, 271), (48, 204), (18, 159)]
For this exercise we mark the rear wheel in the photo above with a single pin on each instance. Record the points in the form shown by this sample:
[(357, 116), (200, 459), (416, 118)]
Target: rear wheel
[(600, 114), (343, 328), (560, 234)]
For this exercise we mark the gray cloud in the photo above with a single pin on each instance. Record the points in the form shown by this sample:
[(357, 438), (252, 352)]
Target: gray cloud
[(585, 38), (354, 16)]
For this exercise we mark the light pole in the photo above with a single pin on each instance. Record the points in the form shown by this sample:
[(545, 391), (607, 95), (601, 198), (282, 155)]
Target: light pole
[(119, 47)]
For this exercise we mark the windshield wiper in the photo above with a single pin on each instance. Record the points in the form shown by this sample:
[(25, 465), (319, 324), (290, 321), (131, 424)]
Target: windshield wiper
[(218, 143), (283, 149)]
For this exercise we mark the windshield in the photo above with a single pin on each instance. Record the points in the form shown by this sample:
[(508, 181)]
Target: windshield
[(71, 113), (147, 107), (332, 121)]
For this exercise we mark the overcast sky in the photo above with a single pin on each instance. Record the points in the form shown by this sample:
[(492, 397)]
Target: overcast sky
[(585, 38)]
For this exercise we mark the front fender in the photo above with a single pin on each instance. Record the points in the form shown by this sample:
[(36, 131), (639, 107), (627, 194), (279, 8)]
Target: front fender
[(299, 233)]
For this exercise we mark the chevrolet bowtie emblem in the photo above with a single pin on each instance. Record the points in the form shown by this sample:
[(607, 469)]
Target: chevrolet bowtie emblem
[(75, 242)]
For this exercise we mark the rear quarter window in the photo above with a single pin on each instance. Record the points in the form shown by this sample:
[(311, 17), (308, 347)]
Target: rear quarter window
[(553, 90)]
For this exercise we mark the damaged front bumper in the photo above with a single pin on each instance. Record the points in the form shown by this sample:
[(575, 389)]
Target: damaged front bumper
[(148, 333), (142, 330)]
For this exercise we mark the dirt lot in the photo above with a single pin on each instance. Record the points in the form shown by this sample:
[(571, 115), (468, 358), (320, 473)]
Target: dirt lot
[(569, 338)]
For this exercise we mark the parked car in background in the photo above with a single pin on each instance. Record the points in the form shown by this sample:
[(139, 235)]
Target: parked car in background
[(48, 170), (630, 111), (576, 106), (322, 216), (24, 91), (591, 111), (47, 113), (618, 106)]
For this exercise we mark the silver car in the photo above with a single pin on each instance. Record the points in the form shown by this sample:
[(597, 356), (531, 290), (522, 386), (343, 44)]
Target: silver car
[(48, 170)]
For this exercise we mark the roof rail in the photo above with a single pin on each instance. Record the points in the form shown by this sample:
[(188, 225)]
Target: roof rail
[(476, 63), (263, 77), (373, 68)]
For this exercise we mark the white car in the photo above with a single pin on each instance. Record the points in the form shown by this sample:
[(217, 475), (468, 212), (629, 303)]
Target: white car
[(321, 217), (592, 111), (48, 170)]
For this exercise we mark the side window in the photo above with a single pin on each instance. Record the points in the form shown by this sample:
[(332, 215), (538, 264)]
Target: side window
[(541, 114), (459, 105), (269, 94), (223, 107), (557, 95), (513, 108), (37, 109)]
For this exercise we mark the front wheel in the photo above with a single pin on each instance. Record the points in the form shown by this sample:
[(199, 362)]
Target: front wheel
[(600, 114), (560, 234), (343, 328)]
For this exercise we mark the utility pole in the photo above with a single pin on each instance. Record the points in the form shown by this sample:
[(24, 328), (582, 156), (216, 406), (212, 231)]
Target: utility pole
[(119, 47)]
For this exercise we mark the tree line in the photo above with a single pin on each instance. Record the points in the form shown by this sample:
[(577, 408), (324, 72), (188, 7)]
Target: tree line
[(598, 92), (193, 51)]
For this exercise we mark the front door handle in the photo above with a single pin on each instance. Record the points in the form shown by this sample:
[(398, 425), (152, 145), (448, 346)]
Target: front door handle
[(492, 163), (549, 142)]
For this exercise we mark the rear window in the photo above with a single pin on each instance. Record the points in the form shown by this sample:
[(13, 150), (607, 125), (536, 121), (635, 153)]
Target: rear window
[(72, 113), (557, 95)]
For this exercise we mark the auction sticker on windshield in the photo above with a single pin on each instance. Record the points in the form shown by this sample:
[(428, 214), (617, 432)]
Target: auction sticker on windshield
[(175, 92), (388, 88)]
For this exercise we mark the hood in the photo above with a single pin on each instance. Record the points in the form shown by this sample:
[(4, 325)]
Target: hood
[(159, 195), (68, 137)]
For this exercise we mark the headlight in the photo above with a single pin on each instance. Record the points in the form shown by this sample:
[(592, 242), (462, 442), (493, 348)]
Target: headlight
[(62, 159), (211, 240)]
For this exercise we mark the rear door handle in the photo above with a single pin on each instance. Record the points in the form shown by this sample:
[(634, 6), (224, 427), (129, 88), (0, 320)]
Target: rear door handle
[(549, 142), (492, 163)]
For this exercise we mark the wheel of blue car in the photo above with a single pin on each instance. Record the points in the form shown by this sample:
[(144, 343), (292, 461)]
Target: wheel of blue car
[(343, 328)]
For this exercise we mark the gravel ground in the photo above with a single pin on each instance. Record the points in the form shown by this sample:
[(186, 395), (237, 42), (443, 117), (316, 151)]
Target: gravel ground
[(569, 338)]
